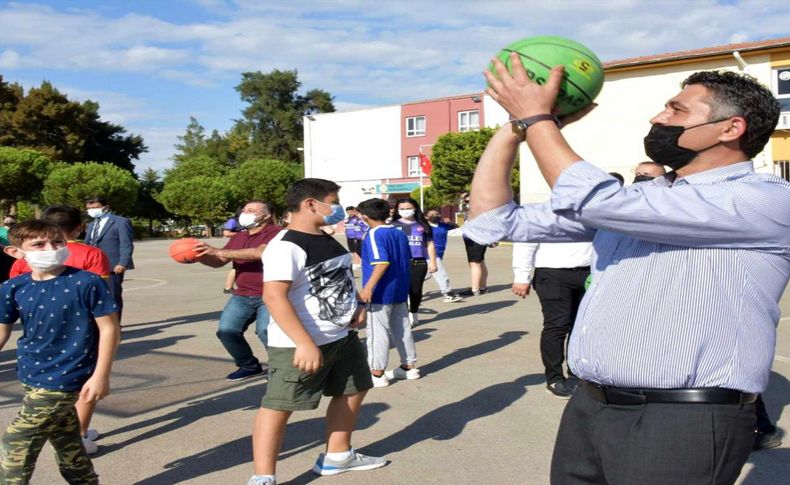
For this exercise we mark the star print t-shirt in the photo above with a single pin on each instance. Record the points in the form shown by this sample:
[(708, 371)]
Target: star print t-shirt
[(59, 343), (322, 289)]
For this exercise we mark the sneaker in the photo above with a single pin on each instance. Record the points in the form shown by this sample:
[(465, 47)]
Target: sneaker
[(259, 480), (476, 292), (380, 381), (355, 462), (90, 447), (401, 373), (559, 389), (241, 374), (92, 435), (413, 319), (764, 441), (227, 291), (483, 291), (452, 298)]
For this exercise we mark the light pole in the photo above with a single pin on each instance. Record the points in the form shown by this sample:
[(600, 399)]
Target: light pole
[(422, 190)]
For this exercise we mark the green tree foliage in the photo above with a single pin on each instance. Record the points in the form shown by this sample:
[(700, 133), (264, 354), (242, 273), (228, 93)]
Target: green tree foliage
[(22, 174), (199, 166), (72, 184), (274, 113), (46, 120), (454, 159), (147, 206), (265, 179), (432, 199), (204, 198)]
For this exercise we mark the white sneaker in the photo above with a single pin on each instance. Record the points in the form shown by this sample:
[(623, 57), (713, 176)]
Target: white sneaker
[(413, 319), (382, 381), (400, 373), (90, 446), (92, 435), (452, 298)]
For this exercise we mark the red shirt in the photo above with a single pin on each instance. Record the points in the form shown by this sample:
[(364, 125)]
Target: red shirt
[(81, 256), (249, 274)]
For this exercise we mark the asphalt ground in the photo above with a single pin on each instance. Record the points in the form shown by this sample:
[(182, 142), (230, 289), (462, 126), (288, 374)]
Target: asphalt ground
[(480, 414)]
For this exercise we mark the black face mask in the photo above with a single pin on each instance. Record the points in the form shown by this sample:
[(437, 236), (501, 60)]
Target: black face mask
[(661, 145), (435, 220), (643, 178)]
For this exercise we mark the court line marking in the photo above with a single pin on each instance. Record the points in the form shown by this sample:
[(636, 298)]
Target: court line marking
[(157, 282)]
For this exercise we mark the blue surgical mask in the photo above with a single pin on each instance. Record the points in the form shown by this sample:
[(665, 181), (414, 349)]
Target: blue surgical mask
[(338, 213)]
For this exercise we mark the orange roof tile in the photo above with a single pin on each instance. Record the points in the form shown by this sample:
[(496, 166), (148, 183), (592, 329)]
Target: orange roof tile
[(697, 53)]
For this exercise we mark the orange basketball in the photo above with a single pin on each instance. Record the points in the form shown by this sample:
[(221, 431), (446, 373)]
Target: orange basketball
[(183, 250)]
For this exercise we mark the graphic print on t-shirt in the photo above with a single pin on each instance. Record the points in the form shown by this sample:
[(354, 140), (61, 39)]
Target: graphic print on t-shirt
[(334, 290)]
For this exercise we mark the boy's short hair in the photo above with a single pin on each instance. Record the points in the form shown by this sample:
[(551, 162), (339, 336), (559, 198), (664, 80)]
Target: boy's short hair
[(66, 217), (36, 228), (96, 198), (309, 189), (376, 209)]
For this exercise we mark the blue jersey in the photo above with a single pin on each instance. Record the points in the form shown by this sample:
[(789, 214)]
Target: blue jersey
[(59, 343), (362, 229), (385, 244), (440, 231)]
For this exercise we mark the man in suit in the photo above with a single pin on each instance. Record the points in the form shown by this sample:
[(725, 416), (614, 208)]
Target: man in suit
[(112, 234)]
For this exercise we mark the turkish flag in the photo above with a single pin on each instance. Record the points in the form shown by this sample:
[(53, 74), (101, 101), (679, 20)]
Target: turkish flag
[(425, 164)]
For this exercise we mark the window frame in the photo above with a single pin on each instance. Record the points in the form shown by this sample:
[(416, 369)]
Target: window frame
[(783, 99), (468, 127), (418, 169), (415, 132)]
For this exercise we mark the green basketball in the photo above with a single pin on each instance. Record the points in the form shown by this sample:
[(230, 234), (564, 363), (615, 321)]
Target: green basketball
[(583, 70)]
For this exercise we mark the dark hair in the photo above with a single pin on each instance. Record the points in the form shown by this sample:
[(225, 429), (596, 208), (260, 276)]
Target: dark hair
[(96, 198), (376, 209), (34, 229), (733, 94), (350, 208), (266, 205), (618, 177), (66, 217), (309, 189), (418, 215)]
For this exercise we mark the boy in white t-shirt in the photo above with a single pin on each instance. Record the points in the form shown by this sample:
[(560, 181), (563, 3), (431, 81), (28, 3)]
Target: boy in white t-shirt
[(309, 291)]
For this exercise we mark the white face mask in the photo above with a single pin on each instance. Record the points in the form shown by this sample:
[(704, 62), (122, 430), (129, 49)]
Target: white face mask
[(406, 213), (47, 260), (96, 212), (247, 220)]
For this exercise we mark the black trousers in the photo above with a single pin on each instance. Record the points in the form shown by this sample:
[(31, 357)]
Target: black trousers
[(560, 291), (651, 444), (764, 424), (115, 282), (419, 269)]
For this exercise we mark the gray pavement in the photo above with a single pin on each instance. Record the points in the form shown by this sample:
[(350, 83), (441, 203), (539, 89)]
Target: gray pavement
[(480, 415)]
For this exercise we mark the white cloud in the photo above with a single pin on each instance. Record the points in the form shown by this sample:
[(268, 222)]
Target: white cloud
[(10, 59)]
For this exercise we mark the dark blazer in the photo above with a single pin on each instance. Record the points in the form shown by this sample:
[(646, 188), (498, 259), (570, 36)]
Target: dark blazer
[(116, 240)]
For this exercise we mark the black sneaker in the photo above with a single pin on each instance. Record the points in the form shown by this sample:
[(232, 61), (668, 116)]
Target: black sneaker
[(241, 374), (764, 441), (227, 291), (559, 389)]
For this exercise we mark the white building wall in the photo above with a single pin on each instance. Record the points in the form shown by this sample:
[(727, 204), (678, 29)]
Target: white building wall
[(355, 149), (611, 135), (494, 114)]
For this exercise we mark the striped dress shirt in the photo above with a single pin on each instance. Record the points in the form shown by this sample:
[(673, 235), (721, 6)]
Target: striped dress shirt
[(686, 276)]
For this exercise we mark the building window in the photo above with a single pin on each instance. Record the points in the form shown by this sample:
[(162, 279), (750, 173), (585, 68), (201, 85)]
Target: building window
[(468, 120), (413, 165), (415, 126), (782, 84), (782, 169)]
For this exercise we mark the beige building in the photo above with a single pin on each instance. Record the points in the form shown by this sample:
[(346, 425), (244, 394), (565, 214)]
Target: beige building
[(636, 89)]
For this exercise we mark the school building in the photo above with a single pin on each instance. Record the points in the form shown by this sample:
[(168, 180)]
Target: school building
[(376, 152)]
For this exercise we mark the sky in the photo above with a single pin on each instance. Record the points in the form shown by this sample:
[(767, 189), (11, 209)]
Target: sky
[(151, 64)]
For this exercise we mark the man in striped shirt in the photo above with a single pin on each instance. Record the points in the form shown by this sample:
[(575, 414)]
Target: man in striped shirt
[(676, 335)]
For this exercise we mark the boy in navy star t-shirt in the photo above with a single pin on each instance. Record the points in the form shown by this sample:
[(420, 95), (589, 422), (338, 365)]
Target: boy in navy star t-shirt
[(69, 337)]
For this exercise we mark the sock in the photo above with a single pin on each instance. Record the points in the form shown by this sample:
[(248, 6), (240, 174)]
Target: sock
[(273, 478), (339, 456)]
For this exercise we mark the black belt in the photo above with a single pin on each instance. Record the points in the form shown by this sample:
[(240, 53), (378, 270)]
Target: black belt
[(707, 395)]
